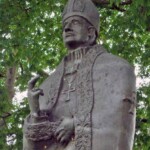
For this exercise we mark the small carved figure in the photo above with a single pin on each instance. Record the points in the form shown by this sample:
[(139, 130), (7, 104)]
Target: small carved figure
[(88, 103)]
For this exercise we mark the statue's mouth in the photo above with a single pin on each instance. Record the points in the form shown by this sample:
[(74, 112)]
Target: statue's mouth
[(69, 34)]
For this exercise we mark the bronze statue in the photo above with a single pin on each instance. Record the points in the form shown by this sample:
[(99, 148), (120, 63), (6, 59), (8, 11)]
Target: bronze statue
[(88, 103)]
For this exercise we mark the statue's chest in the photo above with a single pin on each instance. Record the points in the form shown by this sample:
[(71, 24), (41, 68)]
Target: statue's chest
[(67, 99)]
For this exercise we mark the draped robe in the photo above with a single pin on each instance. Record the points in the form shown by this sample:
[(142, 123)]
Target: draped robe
[(102, 105)]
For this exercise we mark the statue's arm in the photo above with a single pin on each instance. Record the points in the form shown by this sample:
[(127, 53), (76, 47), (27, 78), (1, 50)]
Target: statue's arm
[(126, 88), (36, 125), (33, 99), (115, 101), (124, 85), (127, 83)]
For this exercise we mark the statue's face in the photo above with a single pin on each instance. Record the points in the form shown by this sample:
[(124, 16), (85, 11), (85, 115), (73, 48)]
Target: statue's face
[(75, 32)]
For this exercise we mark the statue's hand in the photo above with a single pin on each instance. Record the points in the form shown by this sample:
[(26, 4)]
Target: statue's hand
[(33, 96), (65, 130)]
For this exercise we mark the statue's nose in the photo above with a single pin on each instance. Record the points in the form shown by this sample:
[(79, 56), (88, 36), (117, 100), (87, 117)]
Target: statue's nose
[(68, 27)]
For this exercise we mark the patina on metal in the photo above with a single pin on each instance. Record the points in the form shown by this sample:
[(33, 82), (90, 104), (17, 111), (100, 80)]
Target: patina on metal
[(88, 103)]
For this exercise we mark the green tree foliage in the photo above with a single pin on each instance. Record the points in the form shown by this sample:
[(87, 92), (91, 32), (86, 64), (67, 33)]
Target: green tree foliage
[(31, 41)]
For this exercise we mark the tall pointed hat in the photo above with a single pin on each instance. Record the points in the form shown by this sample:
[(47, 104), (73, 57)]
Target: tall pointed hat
[(83, 8)]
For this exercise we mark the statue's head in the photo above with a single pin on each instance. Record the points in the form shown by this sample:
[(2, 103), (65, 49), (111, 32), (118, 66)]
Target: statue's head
[(80, 24)]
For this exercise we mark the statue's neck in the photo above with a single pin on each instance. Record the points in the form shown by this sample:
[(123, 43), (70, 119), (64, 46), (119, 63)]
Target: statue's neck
[(73, 59), (76, 55), (79, 53)]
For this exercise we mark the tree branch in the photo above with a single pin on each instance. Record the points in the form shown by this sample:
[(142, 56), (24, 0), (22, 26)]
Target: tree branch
[(127, 2), (2, 75), (5, 115), (43, 73), (101, 2), (106, 2), (21, 67), (114, 6), (2, 120)]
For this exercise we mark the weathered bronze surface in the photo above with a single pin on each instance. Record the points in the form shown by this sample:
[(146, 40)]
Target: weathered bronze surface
[(88, 103)]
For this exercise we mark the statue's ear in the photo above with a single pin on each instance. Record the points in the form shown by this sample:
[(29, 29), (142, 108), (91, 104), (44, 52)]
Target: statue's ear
[(91, 34)]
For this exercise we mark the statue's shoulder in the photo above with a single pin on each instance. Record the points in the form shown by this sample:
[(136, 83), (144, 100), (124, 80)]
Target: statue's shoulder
[(108, 59), (111, 69), (107, 63)]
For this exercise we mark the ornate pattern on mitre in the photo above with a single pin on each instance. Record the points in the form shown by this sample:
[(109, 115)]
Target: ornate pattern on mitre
[(78, 5)]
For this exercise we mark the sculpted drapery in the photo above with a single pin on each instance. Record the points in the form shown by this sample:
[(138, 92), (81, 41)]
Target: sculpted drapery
[(88, 103)]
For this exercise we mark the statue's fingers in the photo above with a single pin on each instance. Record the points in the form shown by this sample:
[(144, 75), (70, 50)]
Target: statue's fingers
[(60, 135), (32, 82), (58, 131), (64, 139), (38, 92), (35, 89)]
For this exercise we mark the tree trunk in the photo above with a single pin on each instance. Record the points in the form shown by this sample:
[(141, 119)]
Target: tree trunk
[(10, 84), (10, 81)]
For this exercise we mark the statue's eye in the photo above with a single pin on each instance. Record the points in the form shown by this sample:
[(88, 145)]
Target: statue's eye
[(75, 22)]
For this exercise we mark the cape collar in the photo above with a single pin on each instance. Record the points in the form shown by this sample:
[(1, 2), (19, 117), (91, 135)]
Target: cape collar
[(79, 53)]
